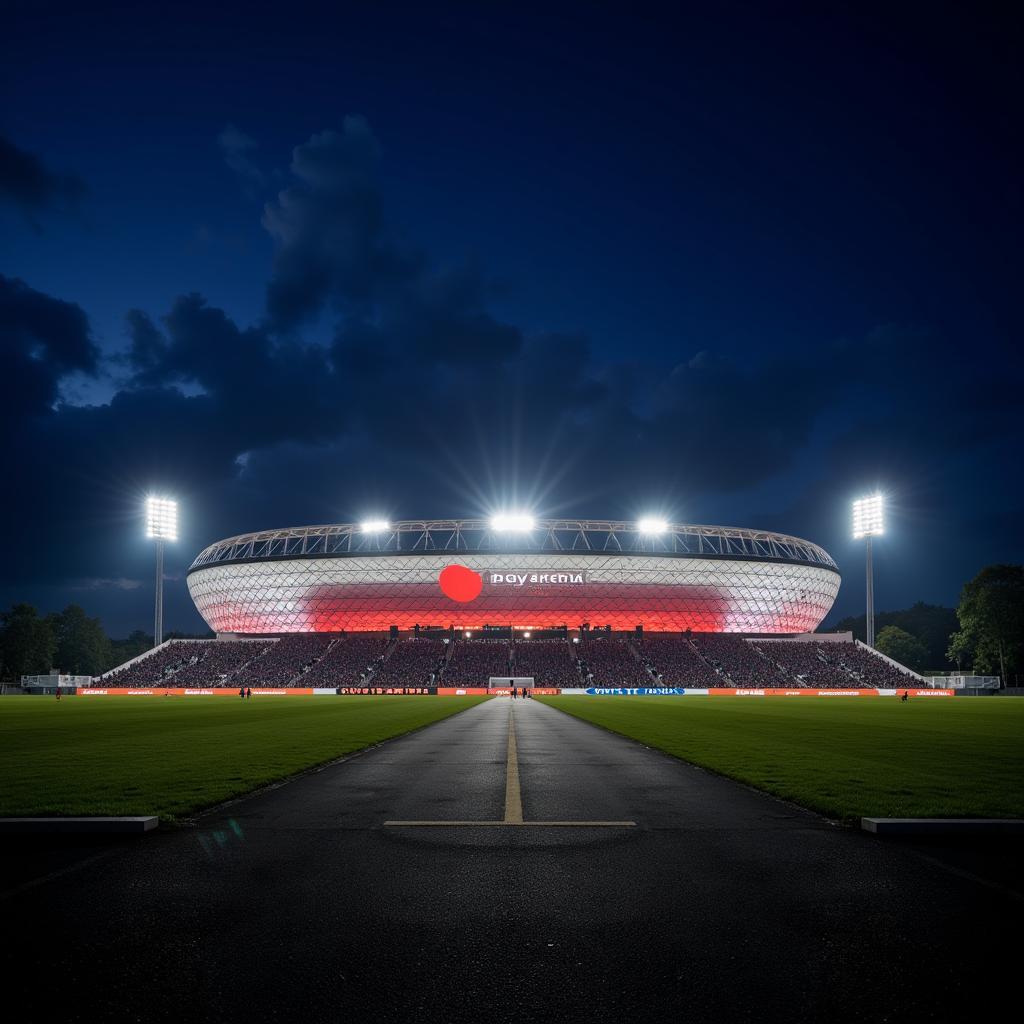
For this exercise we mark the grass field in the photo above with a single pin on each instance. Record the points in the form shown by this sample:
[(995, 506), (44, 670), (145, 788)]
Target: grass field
[(171, 757), (844, 758)]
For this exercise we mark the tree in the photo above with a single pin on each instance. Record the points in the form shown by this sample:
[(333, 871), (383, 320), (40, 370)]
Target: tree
[(82, 647), (27, 643), (903, 647), (932, 624), (136, 643), (991, 615)]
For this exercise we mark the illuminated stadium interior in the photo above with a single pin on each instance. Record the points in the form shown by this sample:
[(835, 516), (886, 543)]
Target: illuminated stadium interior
[(467, 574)]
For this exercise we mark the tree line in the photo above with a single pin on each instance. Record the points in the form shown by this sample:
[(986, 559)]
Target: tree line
[(31, 644), (983, 635)]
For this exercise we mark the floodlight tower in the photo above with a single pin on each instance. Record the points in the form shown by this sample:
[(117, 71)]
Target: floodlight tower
[(867, 523), (161, 525)]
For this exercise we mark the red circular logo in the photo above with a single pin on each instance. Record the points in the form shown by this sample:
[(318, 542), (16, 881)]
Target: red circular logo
[(460, 584)]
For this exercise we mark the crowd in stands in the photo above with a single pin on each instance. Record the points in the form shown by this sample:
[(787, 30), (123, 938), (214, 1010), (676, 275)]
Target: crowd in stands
[(184, 663), (347, 662), (154, 669), (740, 661), (869, 669), (219, 662), (611, 662), (332, 660), (473, 662), (675, 662), (808, 664), (720, 659), (550, 662), (285, 662), (411, 663)]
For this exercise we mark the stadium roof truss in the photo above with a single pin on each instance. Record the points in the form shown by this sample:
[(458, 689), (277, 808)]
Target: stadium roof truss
[(476, 536)]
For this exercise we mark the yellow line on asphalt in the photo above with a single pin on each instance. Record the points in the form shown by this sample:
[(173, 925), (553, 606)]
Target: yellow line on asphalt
[(513, 801), (513, 798)]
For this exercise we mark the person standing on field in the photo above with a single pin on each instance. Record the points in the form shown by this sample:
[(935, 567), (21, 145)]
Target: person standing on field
[(241, 692)]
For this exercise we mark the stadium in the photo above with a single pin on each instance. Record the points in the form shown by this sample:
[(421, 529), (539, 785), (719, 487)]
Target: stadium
[(467, 574), (560, 605)]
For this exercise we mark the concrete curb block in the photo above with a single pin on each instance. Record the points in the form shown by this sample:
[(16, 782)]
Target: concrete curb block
[(81, 826), (943, 826)]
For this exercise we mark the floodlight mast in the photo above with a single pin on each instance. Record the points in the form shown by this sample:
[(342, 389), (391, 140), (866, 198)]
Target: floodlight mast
[(867, 523), (161, 526), (158, 614)]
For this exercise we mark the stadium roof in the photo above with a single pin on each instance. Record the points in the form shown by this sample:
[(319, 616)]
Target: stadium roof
[(412, 537)]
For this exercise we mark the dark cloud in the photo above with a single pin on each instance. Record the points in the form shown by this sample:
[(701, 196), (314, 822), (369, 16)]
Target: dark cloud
[(42, 339), (148, 346), (424, 402), (28, 184), (329, 230), (237, 149)]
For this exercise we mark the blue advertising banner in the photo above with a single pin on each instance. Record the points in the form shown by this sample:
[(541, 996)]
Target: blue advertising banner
[(642, 691)]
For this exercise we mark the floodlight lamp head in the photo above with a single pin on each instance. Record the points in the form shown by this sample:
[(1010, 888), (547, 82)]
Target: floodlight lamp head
[(868, 519), (161, 519), (512, 522), (652, 525), (374, 526)]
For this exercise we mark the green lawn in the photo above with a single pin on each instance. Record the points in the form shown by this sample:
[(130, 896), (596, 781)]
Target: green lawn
[(845, 758), (171, 757)]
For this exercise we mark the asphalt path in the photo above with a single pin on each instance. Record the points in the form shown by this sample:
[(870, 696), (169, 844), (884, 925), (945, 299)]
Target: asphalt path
[(301, 904)]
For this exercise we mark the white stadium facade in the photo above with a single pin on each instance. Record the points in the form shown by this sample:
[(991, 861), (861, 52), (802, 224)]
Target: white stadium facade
[(467, 574)]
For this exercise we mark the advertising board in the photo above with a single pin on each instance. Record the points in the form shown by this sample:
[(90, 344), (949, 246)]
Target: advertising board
[(221, 691), (598, 691), (385, 691)]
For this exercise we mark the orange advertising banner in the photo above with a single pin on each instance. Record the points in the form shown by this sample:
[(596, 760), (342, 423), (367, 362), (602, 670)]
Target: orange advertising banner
[(462, 691)]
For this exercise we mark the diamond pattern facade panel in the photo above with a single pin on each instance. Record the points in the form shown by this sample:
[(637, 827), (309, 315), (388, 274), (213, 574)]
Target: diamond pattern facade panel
[(370, 591)]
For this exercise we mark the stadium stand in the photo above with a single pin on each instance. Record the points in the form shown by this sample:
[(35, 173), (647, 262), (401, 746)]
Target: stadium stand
[(190, 664), (411, 663), (869, 669), (611, 662), (473, 662), (675, 662), (219, 663), (550, 662), (742, 664), (155, 668), (692, 660), (720, 659), (807, 663), (348, 662), (285, 663)]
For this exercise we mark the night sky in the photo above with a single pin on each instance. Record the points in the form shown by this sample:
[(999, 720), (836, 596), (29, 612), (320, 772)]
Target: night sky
[(734, 264)]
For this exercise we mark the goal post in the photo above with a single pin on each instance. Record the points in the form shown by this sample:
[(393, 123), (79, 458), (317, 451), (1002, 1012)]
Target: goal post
[(507, 682)]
